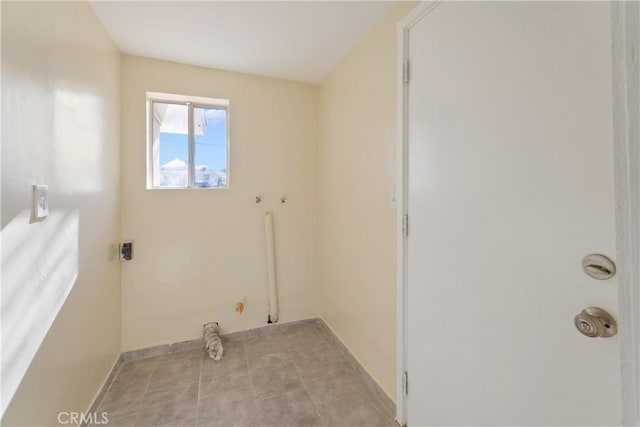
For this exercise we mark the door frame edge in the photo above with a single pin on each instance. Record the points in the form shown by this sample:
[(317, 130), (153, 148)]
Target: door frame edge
[(402, 31), (625, 23)]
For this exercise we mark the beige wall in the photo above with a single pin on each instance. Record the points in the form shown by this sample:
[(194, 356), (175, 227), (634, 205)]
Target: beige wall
[(198, 252), (60, 127), (328, 149), (357, 248)]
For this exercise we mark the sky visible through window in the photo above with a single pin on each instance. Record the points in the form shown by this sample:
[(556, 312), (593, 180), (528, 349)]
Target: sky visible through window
[(210, 147)]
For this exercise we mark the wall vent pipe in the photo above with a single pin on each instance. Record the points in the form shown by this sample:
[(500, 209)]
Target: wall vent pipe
[(271, 268)]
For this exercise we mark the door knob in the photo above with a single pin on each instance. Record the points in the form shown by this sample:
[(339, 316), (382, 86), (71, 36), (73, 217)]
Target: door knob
[(595, 322)]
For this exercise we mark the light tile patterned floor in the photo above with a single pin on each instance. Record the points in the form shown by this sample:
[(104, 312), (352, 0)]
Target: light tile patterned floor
[(295, 377)]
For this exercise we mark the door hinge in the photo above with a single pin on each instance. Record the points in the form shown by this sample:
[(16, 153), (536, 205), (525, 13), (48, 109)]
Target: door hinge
[(405, 383), (405, 225), (405, 71)]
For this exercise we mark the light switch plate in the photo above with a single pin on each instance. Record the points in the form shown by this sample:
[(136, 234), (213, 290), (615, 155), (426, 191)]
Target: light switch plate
[(40, 201)]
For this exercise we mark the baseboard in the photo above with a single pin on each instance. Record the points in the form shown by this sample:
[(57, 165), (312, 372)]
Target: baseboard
[(93, 408), (160, 350), (382, 397), (267, 330), (385, 401)]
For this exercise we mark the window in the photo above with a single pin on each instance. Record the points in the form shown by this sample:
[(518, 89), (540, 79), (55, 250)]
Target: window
[(188, 142)]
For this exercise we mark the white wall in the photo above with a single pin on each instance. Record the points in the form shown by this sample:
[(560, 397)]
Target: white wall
[(356, 154), (60, 127), (197, 252)]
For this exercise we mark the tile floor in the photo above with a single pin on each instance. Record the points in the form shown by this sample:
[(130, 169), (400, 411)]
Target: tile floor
[(294, 377)]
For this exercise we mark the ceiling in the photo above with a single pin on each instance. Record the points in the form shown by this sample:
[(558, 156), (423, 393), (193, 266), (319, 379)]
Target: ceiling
[(301, 41)]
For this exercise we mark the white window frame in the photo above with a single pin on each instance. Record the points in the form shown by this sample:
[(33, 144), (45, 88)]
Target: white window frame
[(153, 158)]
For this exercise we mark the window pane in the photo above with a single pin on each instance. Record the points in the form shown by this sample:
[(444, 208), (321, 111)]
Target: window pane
[(171, 145), (210, 133)]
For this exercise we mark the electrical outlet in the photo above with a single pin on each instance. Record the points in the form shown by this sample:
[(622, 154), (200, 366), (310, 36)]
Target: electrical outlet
[(126, 251), (40, 201)]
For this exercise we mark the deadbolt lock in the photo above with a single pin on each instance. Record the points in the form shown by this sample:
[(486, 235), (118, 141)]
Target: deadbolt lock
[(599, 267), (595, 322)]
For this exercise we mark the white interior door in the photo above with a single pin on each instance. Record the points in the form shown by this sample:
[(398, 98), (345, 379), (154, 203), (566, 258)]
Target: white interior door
[(510, 185)]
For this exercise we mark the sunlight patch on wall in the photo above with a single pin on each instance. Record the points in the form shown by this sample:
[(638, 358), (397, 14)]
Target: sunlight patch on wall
[(39, 268)]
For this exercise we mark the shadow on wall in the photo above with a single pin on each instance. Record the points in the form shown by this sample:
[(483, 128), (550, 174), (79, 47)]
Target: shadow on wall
[(39, 268)]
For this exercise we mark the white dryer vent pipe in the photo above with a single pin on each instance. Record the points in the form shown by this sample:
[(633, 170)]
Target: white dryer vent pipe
[(271, 267)]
